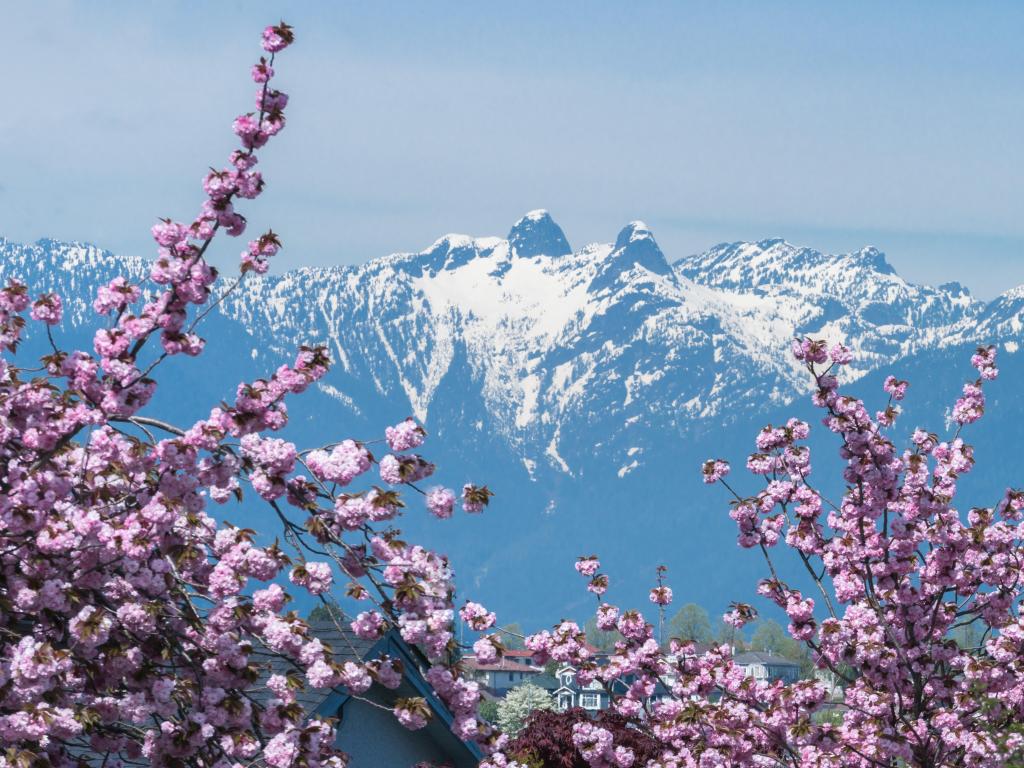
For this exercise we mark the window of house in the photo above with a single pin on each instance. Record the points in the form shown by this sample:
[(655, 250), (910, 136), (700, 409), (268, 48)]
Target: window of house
[(590, 700)]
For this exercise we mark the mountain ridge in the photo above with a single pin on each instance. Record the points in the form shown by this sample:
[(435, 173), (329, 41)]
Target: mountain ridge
[(542, 330), (575, 382)]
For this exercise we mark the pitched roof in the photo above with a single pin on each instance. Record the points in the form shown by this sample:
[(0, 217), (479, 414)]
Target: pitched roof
[(346, 646), (502, 665), (340, 640)]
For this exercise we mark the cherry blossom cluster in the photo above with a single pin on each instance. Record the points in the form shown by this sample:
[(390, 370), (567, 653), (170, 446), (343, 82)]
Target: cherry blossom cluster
[(135, 627), (661, 595), (895, 570), (596, 745)]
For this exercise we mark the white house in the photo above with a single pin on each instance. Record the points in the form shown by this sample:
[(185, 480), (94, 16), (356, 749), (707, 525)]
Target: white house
[(762, 665), (570, 694)]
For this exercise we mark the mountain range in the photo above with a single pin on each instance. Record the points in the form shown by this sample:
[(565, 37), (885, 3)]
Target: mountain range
[(584, 386)]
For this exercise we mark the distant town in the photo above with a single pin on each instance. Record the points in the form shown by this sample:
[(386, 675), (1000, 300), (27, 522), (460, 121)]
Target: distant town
[(770, 655), (517, 668)]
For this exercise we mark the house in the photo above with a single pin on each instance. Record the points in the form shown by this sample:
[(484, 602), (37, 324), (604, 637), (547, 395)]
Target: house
[(512, 671), (594, 697), (501, 676), (764, 665), (367, 730), (570, 693), (520, 657)]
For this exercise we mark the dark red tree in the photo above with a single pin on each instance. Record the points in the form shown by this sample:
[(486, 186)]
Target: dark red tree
[(546, 741)]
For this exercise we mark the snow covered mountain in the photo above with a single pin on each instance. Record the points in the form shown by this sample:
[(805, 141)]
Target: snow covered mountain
[(611, 336), (577, 383)]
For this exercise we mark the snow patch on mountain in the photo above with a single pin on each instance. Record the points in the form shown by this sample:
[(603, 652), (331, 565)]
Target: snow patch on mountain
[(557, 346)]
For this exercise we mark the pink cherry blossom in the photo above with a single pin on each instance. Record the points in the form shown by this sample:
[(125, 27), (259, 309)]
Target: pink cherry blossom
[(477, 617), (588, 565), (48, 309), (405, 436), (441, 502)]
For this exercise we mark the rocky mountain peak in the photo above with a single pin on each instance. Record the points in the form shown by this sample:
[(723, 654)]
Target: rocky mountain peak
[(537, 234)]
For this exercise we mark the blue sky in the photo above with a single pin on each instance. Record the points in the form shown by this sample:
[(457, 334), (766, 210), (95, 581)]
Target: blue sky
[(833, 125)]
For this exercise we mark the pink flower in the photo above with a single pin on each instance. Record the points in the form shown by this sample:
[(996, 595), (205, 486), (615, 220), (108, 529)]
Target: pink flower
[(840, 355), (661, 595), (475, 498), (587, 565), (282, 750), (598, 585), (740, 615), (341, 465), (412, 713), (485, 651), (170, 234), (595, 744), (971, 406), (714, 470), (985, 361), (607, 616), (895, 387), (256, 258), (396, 470), (115, 296), (277, 37), (809, 351), (405, 436), (368, 625), (271, 599), (321, 675), (441, 502), (262, 72), (477, 617), (315, 577), (355, 677), (47, 309), (387, 672)]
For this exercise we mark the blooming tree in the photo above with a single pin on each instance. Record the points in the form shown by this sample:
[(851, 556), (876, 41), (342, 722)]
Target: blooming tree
[(518, 704), (135, 628), (895, 569)]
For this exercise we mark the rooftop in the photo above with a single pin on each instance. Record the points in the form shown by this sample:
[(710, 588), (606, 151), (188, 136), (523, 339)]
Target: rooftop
[(502, 665)]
